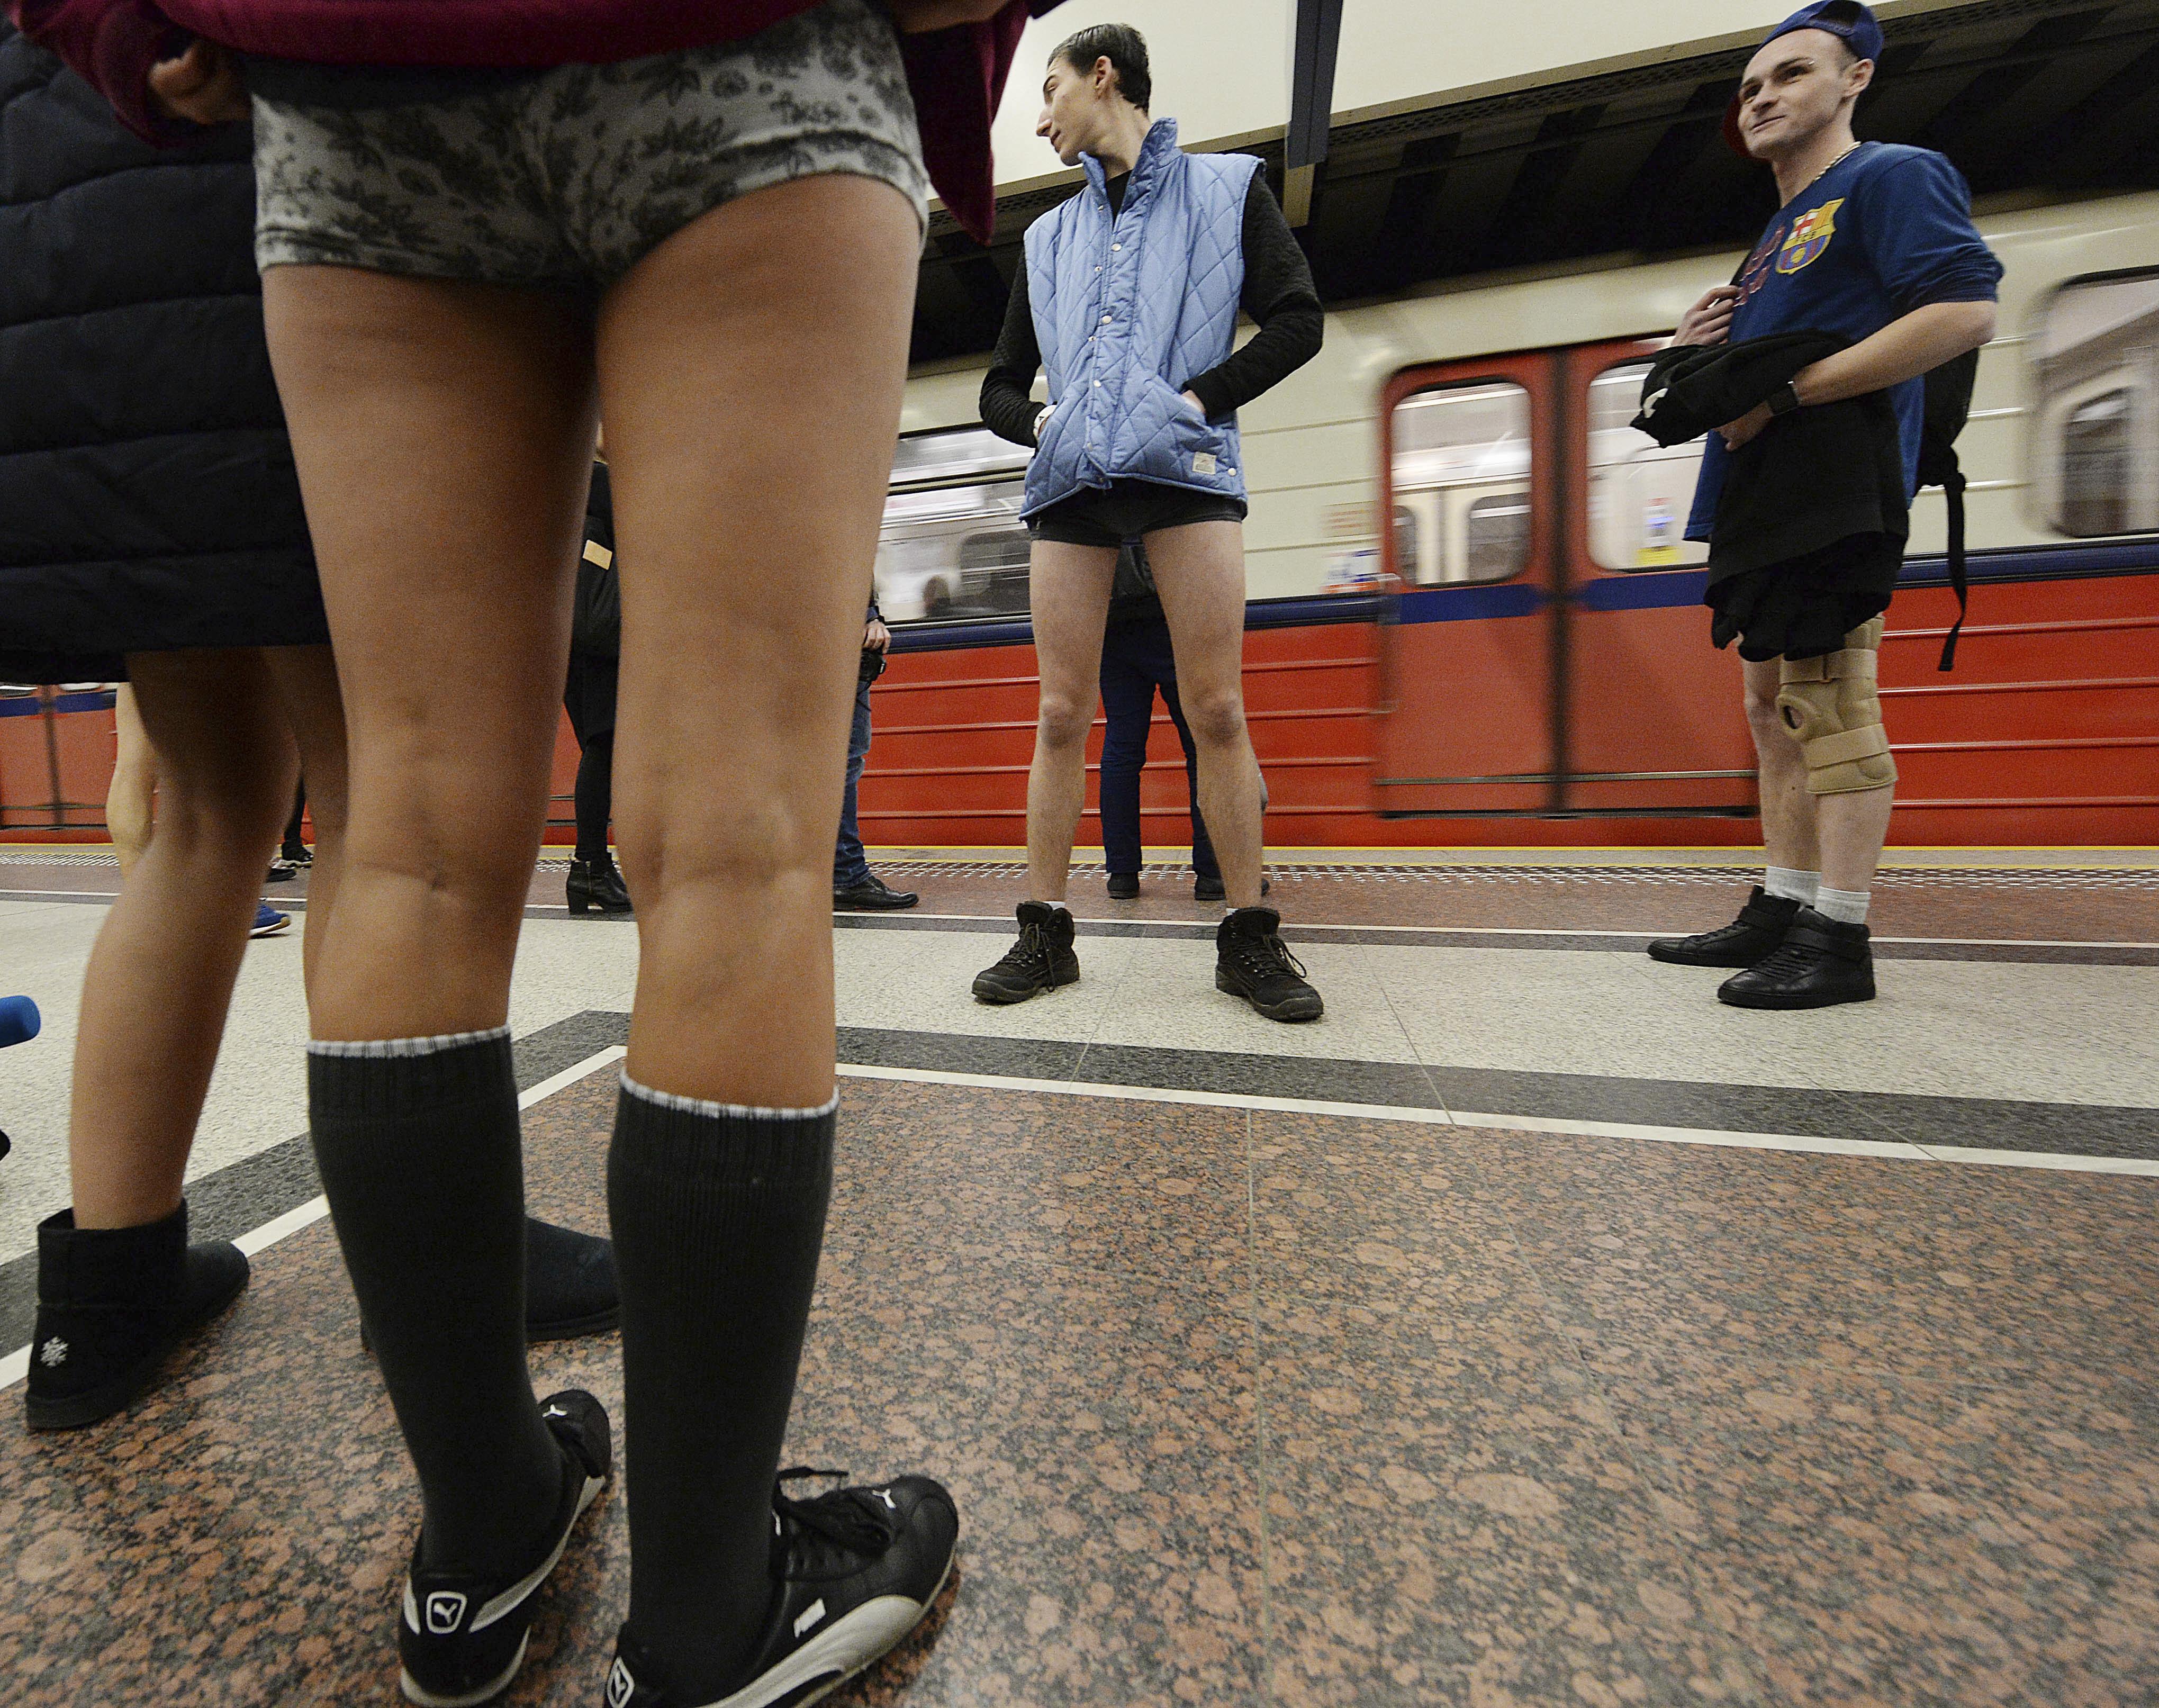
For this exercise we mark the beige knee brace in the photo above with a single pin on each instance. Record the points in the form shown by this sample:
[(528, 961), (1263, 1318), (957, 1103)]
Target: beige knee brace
[(1829, 703)]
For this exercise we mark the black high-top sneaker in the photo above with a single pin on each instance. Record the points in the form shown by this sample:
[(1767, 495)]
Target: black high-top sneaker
[(853, 1572), (1041, 961), (461, 1637), (1823, 961), (1252, 961), (596, 883), (113, 1303), (1753, 936)]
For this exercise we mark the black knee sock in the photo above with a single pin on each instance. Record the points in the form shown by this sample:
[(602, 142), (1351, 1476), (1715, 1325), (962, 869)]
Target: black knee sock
[(594, 795), (418, 1145), (718, 1215)]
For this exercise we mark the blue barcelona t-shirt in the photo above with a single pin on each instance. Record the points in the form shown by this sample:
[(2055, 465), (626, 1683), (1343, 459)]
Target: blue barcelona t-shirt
[(1885, 230)]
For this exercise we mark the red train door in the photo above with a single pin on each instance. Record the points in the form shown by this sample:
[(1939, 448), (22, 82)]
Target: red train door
[(1472, 535), (1649, 719)]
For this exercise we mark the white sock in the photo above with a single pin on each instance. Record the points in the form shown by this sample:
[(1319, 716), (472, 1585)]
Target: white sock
[(1793, 886), (1847, 905)]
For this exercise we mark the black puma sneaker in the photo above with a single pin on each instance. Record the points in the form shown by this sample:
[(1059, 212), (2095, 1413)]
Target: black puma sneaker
[(1252, 961), (462, 1638), (1754, 936), (853, 1572), (1041, 961)]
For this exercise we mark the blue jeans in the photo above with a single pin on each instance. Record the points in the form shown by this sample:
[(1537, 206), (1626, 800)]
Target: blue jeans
[(850, 865), (1138, 661)]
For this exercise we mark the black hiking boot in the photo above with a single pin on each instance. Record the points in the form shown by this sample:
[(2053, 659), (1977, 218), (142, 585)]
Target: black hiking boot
[(596, 883), (1252, 961), (1041, 961), (113, 1305), (1823, 962), (1753, 936)]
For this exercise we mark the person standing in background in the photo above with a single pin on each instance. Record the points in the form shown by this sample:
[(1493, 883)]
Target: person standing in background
[(1129, 301), (855, 888), (588, 696), (1138, 661)]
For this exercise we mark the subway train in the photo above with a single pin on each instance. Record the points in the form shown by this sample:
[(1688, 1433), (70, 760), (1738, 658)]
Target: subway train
[(1473, 618)]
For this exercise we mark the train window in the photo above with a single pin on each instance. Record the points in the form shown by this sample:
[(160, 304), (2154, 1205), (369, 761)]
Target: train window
[(2097, 365), (1639, 492), (953, 546), (1462, 484)]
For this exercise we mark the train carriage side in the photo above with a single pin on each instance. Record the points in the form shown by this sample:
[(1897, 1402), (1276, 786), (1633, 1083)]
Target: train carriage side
[(1473, 618)]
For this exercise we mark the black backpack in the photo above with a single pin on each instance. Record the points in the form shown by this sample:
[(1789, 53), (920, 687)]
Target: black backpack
[(1948, 406)]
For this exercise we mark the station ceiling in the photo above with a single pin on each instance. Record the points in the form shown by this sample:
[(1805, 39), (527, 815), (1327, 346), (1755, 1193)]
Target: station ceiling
[(2023, 95)]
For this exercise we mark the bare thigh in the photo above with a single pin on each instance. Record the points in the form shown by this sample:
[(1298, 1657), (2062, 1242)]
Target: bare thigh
[(1200, 571), (1069, 589)]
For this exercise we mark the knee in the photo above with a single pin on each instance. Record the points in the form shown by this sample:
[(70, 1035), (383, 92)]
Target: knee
[(752, 848), (1765, 721), (1063, 721), (1215, 720)]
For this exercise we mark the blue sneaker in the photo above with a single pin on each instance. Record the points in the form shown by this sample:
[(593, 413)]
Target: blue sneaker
[(268, 921)]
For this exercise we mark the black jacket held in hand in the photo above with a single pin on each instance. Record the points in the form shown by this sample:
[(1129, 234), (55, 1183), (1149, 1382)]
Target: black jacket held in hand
[(147, 497), (1811, 523)]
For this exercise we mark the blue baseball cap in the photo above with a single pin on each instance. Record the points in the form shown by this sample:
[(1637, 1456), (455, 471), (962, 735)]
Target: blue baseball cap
[(1849, 21)]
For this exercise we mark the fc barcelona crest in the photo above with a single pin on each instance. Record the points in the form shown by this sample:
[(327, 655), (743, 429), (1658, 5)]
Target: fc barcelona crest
[(1809, 235)]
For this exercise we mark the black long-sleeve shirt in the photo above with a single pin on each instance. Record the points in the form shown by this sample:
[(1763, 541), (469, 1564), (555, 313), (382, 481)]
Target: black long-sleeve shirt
[(1278, 294)]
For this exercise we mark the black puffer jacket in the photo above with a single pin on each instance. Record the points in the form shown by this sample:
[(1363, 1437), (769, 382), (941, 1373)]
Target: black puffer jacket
[(148, 498)]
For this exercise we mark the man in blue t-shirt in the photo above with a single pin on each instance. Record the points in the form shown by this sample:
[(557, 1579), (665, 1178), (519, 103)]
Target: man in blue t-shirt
[(1873, 243)]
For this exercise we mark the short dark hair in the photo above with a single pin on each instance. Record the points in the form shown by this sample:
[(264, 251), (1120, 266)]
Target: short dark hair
[(1126, 49)]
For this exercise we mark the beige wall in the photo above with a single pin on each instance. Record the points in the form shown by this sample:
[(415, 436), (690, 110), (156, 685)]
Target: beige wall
[(1222, 66)]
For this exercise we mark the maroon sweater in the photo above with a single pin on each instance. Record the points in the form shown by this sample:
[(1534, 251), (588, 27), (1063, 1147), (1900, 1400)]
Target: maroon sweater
[(957, 76)]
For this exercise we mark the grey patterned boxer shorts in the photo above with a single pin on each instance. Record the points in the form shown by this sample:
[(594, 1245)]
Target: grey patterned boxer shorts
[(572, 176)]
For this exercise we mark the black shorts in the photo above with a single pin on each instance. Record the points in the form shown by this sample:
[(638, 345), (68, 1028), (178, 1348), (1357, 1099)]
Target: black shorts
[(1126, 509)]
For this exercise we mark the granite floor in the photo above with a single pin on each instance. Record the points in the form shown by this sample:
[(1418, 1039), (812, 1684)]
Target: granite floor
[(1530, 1331)]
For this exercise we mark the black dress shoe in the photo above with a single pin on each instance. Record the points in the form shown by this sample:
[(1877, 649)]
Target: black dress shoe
[(1753, 936), (1823, 961), (596, 883), (1211, 889), (1124, 886), (569, 1283), (872, 896)]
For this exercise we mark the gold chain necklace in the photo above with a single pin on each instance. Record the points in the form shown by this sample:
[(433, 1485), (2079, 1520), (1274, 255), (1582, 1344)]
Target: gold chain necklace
[(1823, 173)]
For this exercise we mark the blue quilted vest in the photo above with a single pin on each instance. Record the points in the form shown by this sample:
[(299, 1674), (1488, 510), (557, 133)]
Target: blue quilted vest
[(1127, 311)]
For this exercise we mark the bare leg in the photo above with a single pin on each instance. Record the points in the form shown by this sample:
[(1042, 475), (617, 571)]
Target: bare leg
[(736, 695), (1789, 821), (1854, 826), (1069, 586), (161, 977), (307, 683), (131, 802), (459, 416), (1199, 571)]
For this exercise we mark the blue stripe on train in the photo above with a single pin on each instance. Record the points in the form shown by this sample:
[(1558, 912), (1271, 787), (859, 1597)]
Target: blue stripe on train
[(1647, 590), (26, 705)]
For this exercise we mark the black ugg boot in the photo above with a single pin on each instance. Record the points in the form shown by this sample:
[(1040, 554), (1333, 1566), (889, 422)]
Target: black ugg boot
[(1823, 961), (570, 1288), (569, 1283), (113, 1303), (596, 883), (1753, 936)]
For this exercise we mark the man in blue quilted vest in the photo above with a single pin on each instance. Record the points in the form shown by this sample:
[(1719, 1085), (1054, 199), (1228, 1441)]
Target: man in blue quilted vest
[(1128, 301)]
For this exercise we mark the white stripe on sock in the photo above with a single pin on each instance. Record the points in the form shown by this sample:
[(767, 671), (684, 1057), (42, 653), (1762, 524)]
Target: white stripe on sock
[(740, 1111), (404, 1046)]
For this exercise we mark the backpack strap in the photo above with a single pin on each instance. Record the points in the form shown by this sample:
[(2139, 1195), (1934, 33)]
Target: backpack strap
[(1953, 489)]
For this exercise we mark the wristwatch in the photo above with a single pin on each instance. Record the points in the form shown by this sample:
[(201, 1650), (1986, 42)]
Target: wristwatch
[(1784, 399), (1041, 417)]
